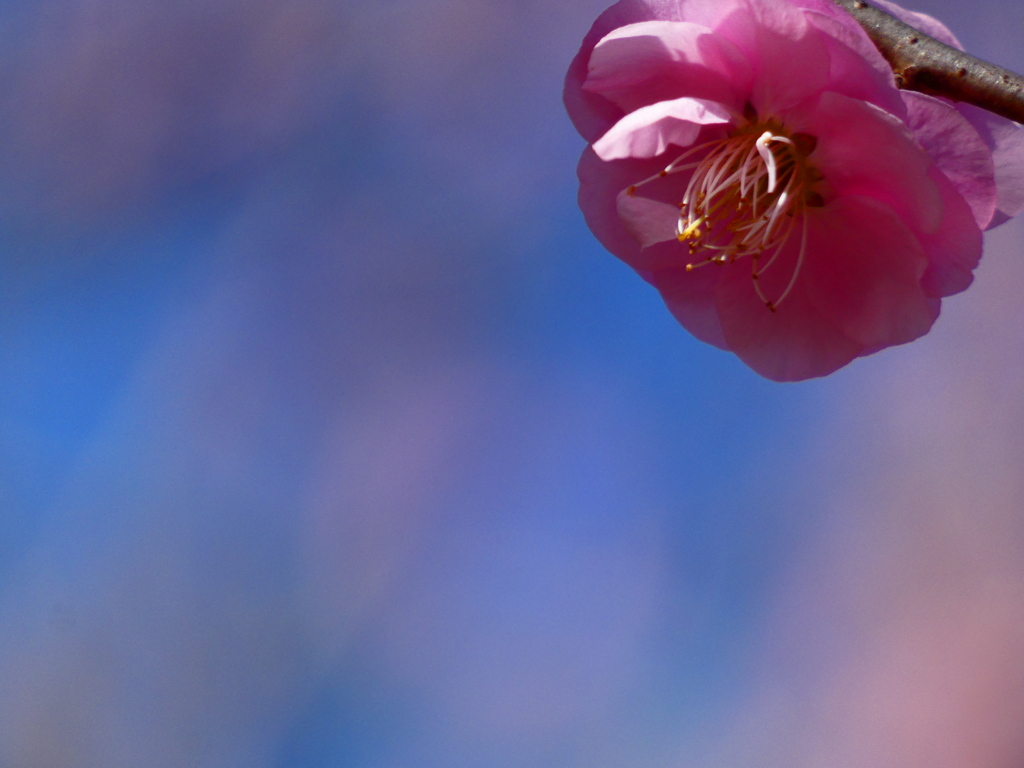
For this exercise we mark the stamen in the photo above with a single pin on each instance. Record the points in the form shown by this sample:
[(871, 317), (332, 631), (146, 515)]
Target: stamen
[(674, 166), (796, 269), (691, 231), (744, 197)]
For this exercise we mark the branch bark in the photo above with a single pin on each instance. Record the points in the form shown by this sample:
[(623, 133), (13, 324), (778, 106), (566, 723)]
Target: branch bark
[(922, 63)]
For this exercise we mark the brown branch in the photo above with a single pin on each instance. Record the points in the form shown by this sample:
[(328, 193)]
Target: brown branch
[(922, 63)]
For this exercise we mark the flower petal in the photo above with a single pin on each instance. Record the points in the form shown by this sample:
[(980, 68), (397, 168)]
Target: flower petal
[(954, 249), (1005, 139), (922, 22), (648, 221), (863, 150), (863, 272), (652, 61), (794, 343), (648, 131), (591, 113), (690, 297), (789, 56), (858, 289), (856, 68), (600, 185), (846, 29), (957, 149)]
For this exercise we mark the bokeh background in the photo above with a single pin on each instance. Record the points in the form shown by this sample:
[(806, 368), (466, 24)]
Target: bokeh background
[(331, 438)]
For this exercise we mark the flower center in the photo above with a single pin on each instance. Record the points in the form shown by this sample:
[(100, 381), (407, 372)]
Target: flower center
[(746, 197)]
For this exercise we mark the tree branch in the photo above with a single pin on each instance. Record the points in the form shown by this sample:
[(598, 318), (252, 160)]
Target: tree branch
[(922, 63)]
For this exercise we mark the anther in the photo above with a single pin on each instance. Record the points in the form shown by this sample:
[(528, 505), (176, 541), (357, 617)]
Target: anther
[(692, 231), (744, 197)]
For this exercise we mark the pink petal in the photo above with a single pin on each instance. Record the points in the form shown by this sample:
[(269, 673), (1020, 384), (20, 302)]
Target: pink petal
[(845, 29), (954, 249), (789, 56), (921, 21), (652, 61), (1005, 139), (593, 114), (857, 289), (856, 68), (797, 342), (648, 221), (600, 185), (863, 271), (648, 131), (957, 148), (690, 297), (863, 150)]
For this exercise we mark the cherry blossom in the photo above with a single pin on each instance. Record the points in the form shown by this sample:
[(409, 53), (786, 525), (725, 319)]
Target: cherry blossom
[(756, 163)]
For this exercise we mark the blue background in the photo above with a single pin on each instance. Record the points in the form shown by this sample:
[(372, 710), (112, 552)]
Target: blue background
[(329, 435)]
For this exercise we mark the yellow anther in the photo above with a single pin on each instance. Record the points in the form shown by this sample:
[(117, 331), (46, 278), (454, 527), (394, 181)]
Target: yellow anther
[(748, 193), (692, 232)]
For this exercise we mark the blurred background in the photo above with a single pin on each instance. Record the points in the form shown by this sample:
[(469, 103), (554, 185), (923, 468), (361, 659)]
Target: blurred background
[(331, 438)]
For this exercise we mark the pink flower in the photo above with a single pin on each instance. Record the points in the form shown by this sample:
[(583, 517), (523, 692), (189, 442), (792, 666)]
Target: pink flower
[(755, 162)]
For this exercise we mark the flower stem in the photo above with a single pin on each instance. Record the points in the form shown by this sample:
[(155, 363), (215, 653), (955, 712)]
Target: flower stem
[(922, 63)]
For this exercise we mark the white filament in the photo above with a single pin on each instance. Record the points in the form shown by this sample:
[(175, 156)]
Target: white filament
[(742, 199)]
